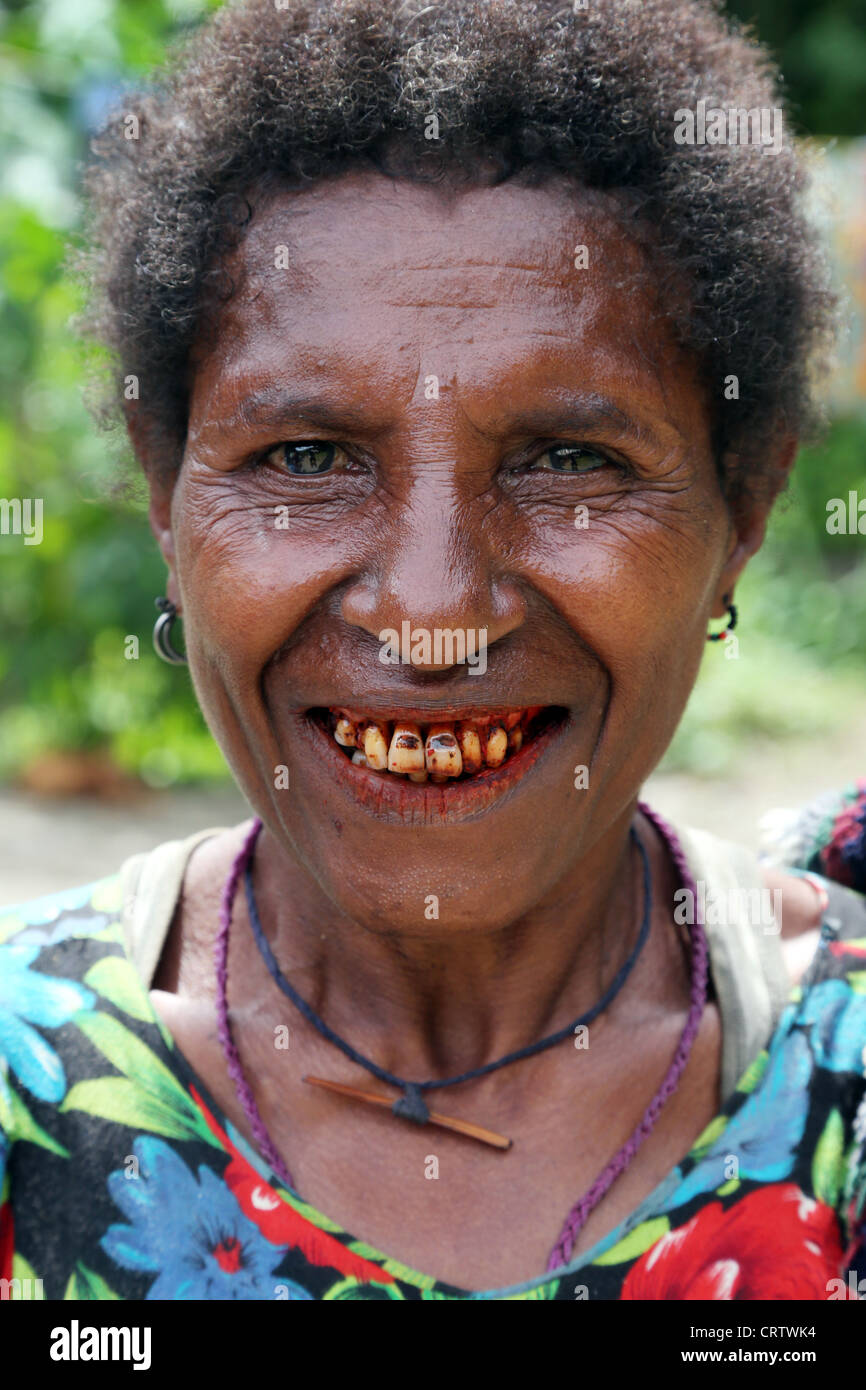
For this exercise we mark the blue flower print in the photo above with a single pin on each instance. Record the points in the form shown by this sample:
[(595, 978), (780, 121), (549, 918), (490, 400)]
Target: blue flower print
[(765, 1132), (26, 997), (835, 1018), (190, 1232), (76, 912)]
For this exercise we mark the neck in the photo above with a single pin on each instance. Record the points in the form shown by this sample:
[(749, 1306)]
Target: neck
[(434, 1003)]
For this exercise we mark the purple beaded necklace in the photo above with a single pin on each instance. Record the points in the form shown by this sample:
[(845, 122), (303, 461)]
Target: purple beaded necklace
[(579, 1213)]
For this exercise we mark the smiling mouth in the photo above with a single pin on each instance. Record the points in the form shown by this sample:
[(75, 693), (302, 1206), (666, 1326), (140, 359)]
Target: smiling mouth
[(443, 751)]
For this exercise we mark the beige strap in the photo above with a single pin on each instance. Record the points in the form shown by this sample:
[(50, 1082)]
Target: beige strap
[(151, 885), (746, 958)]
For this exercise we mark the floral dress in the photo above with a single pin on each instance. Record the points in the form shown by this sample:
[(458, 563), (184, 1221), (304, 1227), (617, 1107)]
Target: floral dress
[(121, 1179)]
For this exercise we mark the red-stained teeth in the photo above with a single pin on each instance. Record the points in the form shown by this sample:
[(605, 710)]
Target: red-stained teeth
[(442, 752), (496, 746), (406, 753), (436, 752), (375, 745), (345, 734), (470, 747)]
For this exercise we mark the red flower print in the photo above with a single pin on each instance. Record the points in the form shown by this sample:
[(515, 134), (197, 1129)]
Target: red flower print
[(279, 1222), (847, 948), (776, 1243)]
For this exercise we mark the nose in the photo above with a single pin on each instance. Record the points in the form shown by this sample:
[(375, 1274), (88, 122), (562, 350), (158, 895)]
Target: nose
[(436, 570)]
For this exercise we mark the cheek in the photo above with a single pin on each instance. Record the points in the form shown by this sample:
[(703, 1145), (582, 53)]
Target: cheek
[(634, 586), (245, 583), (636, 576)]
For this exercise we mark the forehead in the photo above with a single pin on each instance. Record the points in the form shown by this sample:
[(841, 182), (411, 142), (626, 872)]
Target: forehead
[(379, 279)]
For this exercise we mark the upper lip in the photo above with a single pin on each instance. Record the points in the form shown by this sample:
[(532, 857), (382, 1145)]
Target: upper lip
[(430, 711)]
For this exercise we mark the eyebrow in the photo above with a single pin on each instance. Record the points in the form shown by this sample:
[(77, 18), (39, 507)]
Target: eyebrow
[(270, 407), (572, 411), (273, 407)]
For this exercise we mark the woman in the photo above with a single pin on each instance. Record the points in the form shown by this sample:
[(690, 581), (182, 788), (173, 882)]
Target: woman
[(463, 391)]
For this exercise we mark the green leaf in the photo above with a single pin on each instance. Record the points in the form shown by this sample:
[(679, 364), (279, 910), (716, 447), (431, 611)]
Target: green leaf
[(91, 1287), (318, 1219), (356, 1289), (5, 1101), (728, 1187), (637, 1242), (136, 1060), (22, 1269), (708, 1137), (407, 1274), (116, 979), (10, 923), (753, 1073), (545, 1290), (395, 1267), (23, 1126), (827, 1161), (108, 895), (122, 1101)]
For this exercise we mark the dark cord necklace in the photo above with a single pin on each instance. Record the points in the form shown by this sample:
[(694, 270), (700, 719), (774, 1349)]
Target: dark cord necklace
[(411, 1105)]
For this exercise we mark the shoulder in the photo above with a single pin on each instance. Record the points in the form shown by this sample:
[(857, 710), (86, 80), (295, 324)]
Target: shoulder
[(92, 910), (798, 909), (55, 957)]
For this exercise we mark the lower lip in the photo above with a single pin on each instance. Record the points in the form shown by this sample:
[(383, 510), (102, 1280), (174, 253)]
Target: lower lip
[(396, 799)]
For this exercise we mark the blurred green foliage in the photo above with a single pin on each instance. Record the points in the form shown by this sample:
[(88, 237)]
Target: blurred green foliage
[(821, 46), (68, 605)]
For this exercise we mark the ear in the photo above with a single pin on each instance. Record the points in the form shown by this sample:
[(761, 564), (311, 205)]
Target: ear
[(153, 456), (749, 518)]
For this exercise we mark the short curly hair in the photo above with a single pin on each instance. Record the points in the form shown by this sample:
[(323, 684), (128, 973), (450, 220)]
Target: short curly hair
[(287, 91)]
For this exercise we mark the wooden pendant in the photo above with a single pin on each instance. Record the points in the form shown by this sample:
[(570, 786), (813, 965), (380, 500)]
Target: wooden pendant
[(484, 1136)]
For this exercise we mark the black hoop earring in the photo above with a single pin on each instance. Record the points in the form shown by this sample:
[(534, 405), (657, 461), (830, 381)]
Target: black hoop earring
[(732, 623), (162, 633)]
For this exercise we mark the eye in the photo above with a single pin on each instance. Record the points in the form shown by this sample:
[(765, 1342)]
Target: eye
[(305, 459), (569, 458)]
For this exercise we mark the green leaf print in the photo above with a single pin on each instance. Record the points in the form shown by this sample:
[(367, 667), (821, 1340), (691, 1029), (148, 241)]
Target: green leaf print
[(107, 895), (30, 1288), (115, 978), (86, 1286), (10, 923), (319, 1219), (753, 1073), (827, 1162), (126, 1103), (857, 981), (707, 1138), (19, 1124), (395, 1267), (151, 1076), (356, 1289), (637, 1242)]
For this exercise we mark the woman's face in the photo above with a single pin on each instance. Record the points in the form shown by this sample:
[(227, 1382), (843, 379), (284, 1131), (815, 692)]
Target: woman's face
[(506, 439)]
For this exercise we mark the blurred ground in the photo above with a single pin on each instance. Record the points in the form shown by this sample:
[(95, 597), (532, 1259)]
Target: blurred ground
[(50, 844)]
